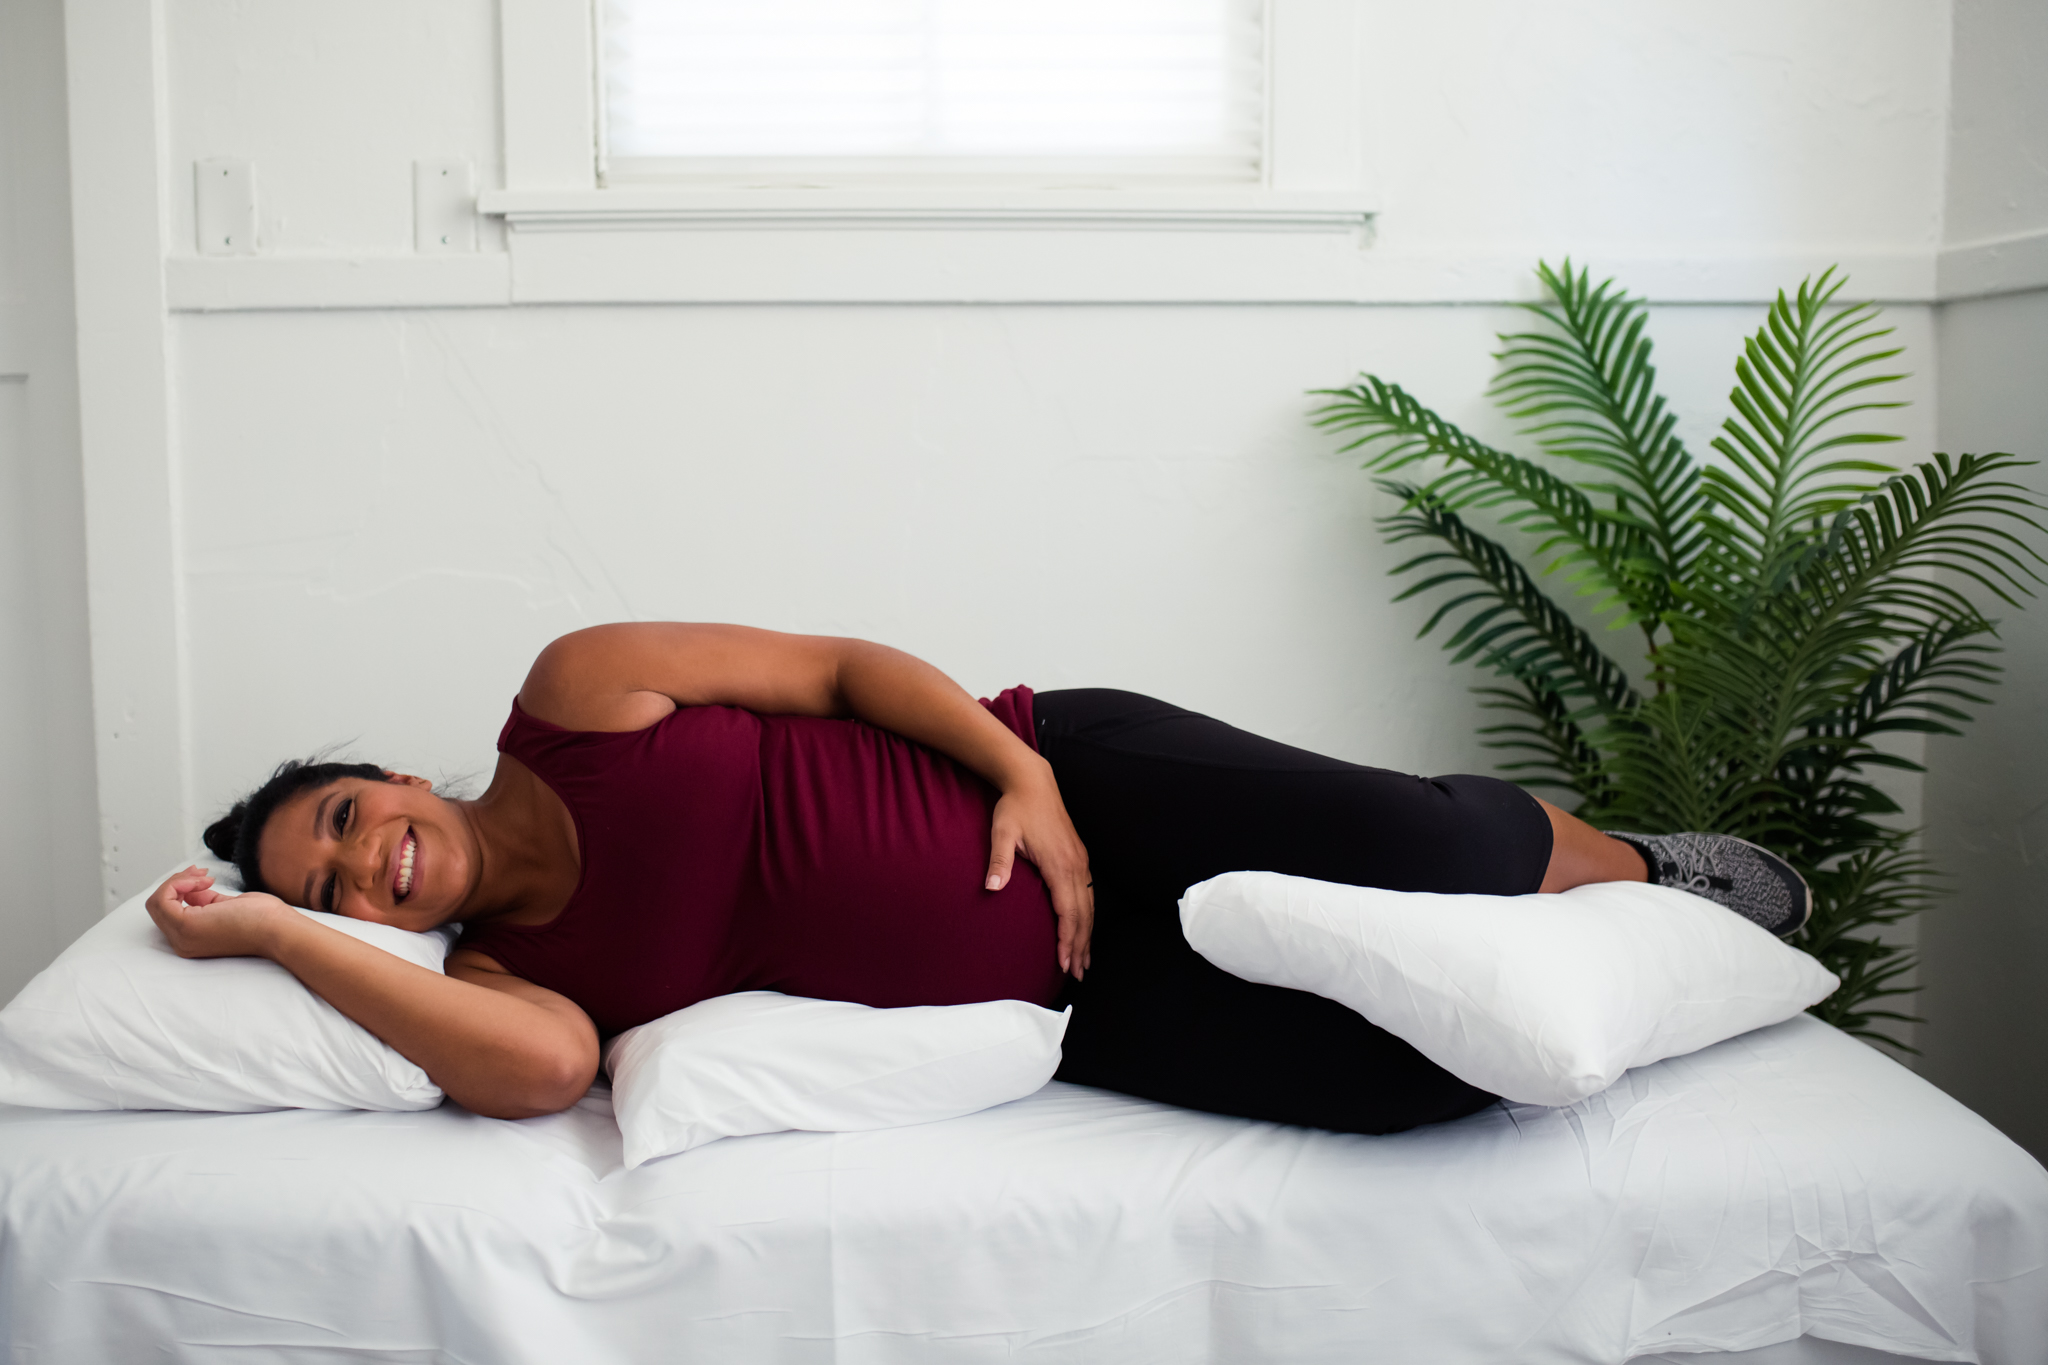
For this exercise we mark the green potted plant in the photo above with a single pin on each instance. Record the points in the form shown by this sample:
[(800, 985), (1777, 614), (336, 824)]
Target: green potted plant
[(1790, 605)]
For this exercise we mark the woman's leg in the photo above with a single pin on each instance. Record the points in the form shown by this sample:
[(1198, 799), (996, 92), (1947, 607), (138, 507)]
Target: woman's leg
[(1182, 797), (1580, 854), (1165, 798)]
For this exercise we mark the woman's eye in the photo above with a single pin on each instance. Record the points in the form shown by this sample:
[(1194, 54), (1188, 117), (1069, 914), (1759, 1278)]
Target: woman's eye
[(327, 898), (341, 814)]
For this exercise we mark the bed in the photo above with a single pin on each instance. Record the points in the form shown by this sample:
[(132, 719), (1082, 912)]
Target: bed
[(1790, 1193)]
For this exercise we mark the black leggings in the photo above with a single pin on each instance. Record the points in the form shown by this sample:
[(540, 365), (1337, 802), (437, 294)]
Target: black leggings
[(1165, 798)]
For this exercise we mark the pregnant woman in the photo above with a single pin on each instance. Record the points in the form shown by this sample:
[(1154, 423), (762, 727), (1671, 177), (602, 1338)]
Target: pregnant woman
[(684, 811)]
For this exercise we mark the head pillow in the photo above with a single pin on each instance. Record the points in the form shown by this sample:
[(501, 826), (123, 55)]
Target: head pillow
[(1539, 999), (119, 1021)]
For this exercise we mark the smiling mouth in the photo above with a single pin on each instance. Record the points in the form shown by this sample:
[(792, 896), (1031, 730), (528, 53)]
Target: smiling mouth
[(401, 885)]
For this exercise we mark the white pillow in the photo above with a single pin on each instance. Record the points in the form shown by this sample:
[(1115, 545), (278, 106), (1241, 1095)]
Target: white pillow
[(759, 1062), (1539, 999), (119, 1021)]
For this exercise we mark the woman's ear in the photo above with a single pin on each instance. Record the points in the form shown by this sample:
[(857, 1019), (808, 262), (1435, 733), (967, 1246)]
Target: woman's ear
[(407, 780)]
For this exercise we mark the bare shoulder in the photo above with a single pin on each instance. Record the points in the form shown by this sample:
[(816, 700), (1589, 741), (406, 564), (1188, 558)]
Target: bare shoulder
[(588, 680), (630, 675)]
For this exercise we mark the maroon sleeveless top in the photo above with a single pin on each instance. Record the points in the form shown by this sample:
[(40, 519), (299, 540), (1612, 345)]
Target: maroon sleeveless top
[(725, 851)]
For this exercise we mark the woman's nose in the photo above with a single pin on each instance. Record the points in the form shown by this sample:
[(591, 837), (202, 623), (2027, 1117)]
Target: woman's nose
[(359, 855)]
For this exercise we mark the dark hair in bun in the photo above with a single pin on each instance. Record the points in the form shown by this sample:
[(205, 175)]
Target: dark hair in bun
[(235, 836)]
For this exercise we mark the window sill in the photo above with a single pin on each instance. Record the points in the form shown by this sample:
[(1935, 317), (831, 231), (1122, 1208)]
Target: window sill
[(635, 245), (1197, 209)]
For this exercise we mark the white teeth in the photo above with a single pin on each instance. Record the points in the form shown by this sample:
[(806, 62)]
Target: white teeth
[(405, 864)]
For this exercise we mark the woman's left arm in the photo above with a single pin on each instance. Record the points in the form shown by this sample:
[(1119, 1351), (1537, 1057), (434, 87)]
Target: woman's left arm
[(628, 676)]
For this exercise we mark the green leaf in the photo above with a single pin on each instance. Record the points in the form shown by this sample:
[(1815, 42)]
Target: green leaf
[(1798, 602), (1511, 627), (1399, 432), (1794, 381), (1588, 389)]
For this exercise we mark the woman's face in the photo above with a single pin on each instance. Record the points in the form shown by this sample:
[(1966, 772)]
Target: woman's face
[(389, 851)]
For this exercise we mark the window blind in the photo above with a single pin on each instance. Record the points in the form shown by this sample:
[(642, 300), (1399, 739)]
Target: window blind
[(1088, 88)]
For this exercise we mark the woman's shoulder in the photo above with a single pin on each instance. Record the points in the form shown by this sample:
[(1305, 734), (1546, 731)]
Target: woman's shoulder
[(577, 684)]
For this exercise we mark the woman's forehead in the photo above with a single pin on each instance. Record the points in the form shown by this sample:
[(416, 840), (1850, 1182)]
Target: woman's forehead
[(299, 813)]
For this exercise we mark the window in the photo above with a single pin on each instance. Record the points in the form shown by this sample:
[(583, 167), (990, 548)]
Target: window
[(977, 150), (1057, 91)]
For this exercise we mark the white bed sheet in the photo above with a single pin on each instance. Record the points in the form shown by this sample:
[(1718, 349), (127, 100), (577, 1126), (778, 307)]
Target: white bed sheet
[(1790, 1182)]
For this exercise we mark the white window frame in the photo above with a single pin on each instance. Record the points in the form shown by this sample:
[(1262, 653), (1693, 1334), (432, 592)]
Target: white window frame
[(1295, 235)]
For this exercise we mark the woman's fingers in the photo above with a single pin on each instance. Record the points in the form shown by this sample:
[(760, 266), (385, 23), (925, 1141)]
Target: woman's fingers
[(1086, 941), (166, 905), (1002, 852), (1065, 868), (174, 889), (1070, 934), (1076, 911), (1033, 822), (1063, 931), (198, 921)]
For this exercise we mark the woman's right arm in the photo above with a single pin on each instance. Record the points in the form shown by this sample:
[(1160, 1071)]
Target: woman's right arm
[(495, 1044)]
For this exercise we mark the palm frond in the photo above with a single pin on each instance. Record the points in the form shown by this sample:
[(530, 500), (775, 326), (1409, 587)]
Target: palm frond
[(1547, 727), (1870, 970), (1589, 387), (1919, 687), (1690, 762), (1800, 603), (1786, 658), (1876, 886), (1510, 627), (1608, 555), (1804, 371)]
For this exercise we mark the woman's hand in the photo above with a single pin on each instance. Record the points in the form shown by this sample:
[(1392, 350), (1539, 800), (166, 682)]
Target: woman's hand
[(201, 922), (1031, 819)]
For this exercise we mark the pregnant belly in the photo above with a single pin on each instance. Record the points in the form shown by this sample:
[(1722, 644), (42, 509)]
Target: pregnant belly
[(909, 927), (872, 859)]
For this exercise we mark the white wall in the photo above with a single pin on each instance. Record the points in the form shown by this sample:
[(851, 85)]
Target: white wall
[(1060, 496), (332, 103), (1496, 130), (49, 837), (1619, 128), (1986, 948), (385, 512), (1997, 178), (396, 509)]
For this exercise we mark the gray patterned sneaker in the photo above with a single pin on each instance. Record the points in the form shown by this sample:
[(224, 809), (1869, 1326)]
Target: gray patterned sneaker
[(1753, 882)]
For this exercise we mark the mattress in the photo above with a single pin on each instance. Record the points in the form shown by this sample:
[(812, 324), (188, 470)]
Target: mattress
[(1788, 1186)]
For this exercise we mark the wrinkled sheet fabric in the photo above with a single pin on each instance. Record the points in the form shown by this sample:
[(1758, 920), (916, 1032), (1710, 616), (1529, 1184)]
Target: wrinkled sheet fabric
[(1788, 1182)]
